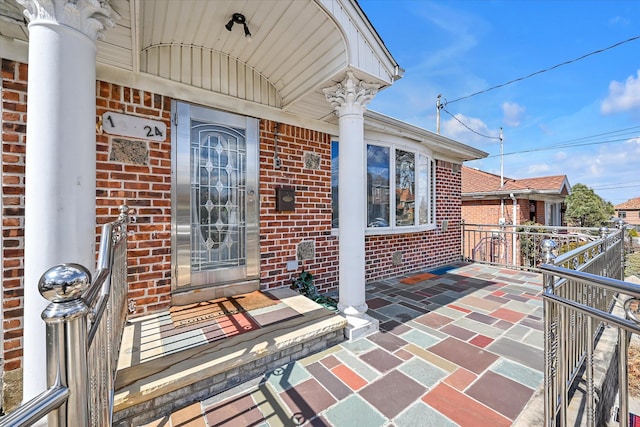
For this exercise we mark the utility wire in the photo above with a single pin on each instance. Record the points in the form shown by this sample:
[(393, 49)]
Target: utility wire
[(535, 150), (546, 69), (463, 124)]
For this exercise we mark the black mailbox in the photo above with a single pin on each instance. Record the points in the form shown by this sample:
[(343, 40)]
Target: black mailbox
[(285, 199)]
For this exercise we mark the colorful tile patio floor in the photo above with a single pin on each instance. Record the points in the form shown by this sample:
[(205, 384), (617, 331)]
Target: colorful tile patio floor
[(461, 348)]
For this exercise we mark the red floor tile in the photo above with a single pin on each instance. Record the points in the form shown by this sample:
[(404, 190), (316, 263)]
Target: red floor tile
[(462, 409), (462, 309), (235, 324), (460, 379), (506, 314), (481, 341), (349, 377), (191, 416)]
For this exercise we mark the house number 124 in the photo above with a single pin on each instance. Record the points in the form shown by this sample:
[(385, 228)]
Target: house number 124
[(134, 127)]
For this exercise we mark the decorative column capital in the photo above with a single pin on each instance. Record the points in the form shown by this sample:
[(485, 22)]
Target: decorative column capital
[(351, 95), (90, 17)]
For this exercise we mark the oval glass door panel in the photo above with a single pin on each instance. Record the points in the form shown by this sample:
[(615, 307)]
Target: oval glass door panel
[(215, 208)]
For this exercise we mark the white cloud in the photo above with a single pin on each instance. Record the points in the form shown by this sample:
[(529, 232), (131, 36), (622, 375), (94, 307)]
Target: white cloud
[(622, 96), (538, 169), (512, 113), (560, 156), (455, 129)]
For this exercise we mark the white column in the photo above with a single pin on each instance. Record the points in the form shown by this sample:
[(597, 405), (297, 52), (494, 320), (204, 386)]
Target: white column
[(349, 99), (61, 155)]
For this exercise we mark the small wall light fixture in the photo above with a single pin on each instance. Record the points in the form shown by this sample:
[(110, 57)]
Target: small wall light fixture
[(239, 18)]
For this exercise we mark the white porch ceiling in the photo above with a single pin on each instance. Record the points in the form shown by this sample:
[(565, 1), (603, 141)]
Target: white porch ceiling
[(297, 47)]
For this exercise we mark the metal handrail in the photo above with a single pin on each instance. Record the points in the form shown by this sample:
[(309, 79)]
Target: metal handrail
[(519, 242), (79, 331), (580, 289)]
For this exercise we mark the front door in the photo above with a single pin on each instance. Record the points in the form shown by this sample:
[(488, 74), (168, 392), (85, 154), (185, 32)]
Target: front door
[(215, 204)]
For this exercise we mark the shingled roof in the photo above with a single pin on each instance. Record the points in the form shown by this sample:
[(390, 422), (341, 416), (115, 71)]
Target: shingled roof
[(475, 181), (629, 204)]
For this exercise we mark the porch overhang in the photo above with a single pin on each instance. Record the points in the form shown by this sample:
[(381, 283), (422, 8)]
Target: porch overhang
[(297, 48)]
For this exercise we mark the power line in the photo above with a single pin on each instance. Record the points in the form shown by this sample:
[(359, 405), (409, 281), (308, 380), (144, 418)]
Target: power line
[(535, 150), (463, 124), (546, 69)]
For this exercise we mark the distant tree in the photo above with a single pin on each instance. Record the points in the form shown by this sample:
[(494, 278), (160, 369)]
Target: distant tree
[(586, 209)]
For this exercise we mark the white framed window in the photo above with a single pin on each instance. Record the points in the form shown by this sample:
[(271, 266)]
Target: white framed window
[(400, 189)]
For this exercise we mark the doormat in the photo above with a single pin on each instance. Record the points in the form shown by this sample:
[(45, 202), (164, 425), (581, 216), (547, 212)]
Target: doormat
[(412, 280), (186, 315)]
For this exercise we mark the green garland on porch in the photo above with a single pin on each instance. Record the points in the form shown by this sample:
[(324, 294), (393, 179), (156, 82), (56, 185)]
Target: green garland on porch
[(304, 286)]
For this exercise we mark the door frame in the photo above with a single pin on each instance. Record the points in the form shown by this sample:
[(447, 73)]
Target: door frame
[(182, 289)]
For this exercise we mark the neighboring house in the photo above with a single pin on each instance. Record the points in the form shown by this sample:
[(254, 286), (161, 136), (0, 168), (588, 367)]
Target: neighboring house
[(485, 200), (166, 107), (629, 211)]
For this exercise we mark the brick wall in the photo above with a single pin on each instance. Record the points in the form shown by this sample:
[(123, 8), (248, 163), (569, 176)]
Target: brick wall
[(306, 167), (426, 249), (14, 115), (138, 173)]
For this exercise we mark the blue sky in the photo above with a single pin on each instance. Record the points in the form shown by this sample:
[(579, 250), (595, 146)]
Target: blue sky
[(586, 115)]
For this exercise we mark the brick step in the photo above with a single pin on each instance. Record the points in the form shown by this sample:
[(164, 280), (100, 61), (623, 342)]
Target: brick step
[(152, 388)]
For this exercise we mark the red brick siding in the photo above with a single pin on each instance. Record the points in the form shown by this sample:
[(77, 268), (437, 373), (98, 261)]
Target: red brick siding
[(145, 188), (281, 232), (14, 116), (426, 249)]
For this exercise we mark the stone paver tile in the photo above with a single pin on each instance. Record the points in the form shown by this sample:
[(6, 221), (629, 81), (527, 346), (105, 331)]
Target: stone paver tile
[(523, 353), (482, 318), (462, 309), (419, 338), (387, 341), (424, 373), (510, 399), (478, 327), (535, 338), (354, 411), (420, 414), (518, 332), (381, 360), (461, 379), (356, 364), (358, 346), (443, 299), (403, 354), (272, 408), (336, 387), (458, 332), (464, 354), (506, 314), (474, 302), (307, 399), (392, 393), (434, 320), (494, 298), (377, 302), (448, 312), (503, 324), (350, 378), (394, 327), (235, 411), (398, 312), (287, 376), (517, 372), (330, 362), (515, 297), (481, 341), (534, 324), (432, 358), (318, 356), (523, 307), (462, 409)]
